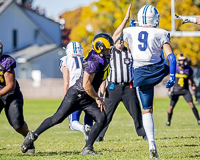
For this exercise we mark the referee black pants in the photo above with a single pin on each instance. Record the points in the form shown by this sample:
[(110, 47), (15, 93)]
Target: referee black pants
[(129, 98)]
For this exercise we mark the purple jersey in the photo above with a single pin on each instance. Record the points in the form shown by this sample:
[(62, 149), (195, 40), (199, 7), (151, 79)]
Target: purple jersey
[(7, 63), (94, 64), (182, 77)]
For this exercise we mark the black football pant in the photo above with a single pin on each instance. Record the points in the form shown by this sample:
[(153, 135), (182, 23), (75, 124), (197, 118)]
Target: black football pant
[(129, 98), (76, 100)]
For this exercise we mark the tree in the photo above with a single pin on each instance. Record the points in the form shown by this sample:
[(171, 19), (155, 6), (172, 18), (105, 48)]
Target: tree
[(102, 16), (188, 45)]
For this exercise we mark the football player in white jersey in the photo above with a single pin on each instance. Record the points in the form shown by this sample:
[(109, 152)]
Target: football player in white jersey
[(187, 19), (146, 43), (71, 68)]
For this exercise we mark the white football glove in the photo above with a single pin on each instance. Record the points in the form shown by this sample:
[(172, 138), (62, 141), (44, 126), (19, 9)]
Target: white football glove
[(186, 19)]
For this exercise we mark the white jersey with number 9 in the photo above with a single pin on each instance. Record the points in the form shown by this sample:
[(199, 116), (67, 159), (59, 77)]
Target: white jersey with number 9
[(145, 44)]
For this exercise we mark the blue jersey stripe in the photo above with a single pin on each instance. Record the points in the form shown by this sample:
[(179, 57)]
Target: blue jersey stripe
[(74, 47), (144, 14)]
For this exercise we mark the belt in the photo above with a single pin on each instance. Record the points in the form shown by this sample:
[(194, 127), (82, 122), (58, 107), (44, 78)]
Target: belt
[(121, 83)]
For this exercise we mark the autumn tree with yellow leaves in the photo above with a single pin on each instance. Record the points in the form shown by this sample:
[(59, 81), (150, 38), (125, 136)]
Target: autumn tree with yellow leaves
[(188, 45), (106, 16)]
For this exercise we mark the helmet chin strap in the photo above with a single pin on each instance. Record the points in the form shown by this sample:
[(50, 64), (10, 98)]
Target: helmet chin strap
[(103, 55)]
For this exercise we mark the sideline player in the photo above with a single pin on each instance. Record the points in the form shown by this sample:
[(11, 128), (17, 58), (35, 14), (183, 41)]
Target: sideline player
[(83, 95), (184, 74), (11, 98), (71, 68), (146, 43), (187, 19)]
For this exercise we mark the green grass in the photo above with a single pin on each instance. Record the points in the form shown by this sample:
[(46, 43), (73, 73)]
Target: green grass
[(179, 141)]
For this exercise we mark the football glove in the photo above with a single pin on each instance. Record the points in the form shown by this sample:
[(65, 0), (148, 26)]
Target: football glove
[(186, 19), (171, 81)]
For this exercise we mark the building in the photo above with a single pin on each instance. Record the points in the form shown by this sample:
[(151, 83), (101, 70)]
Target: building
[(32, 39)]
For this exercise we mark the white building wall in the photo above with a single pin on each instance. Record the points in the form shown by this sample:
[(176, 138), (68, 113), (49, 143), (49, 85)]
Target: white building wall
[(48, 64), (49, 26), (14, 18)]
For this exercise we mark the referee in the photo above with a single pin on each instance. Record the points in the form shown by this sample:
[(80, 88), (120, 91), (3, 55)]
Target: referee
[(120, 88)]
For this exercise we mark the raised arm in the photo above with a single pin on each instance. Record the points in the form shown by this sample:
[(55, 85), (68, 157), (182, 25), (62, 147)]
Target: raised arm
[(187, 19), (118, 32)]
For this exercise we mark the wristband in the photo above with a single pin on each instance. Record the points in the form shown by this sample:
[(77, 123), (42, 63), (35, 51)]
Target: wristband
[(172, 64)]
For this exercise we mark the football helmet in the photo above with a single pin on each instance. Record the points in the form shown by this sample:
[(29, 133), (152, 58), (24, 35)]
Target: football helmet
[(101, 42), (181, 57), (1, 49), (74, 48), (148, 16)]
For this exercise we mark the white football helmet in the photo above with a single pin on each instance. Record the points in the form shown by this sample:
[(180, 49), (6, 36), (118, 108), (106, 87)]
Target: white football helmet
[(74, 48), (148, 16)]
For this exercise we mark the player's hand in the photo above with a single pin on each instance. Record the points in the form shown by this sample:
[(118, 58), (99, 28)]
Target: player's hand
[(170, 82), (101, 104), (193, 88), (128, 12), (184, 18)]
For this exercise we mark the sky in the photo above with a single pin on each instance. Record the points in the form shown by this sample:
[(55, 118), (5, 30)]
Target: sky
[(54, 8)]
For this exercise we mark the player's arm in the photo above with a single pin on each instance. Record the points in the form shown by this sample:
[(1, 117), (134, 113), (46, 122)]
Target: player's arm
[(10, 83), (87, 85), (118, 33), (66, 78), (187, 19), (102, 88), (172, 64), (192, 83)]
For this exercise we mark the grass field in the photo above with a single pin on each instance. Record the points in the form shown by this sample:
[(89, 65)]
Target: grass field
[(179, 141)]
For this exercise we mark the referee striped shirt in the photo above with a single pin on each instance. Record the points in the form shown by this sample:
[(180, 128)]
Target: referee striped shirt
[(121, 69)]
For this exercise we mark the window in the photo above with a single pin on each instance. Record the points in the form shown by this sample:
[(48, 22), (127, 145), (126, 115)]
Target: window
[(14, 38)]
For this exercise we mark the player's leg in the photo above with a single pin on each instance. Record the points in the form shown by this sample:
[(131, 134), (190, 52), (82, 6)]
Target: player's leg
[(188, 97), (100, 121), (132, 105), (74, 123), (67, 107), (88, 121), (173, 101), (14, 114), (112, 100), (146, 99)]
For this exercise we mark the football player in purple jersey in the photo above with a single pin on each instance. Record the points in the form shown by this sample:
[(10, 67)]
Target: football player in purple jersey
[(183, 75), (83, 95), (11, 99)]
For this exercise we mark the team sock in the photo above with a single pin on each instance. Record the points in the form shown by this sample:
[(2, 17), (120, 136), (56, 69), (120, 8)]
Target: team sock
[(77, 126), (196, 114), (169, 117), (148, 124)]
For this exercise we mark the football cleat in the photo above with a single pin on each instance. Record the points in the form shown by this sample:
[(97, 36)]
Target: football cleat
[(28, 142), (31, 149), (153, 151), (145, 138), (167, 124), (198, 122), (99, 139), (89, 150)]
